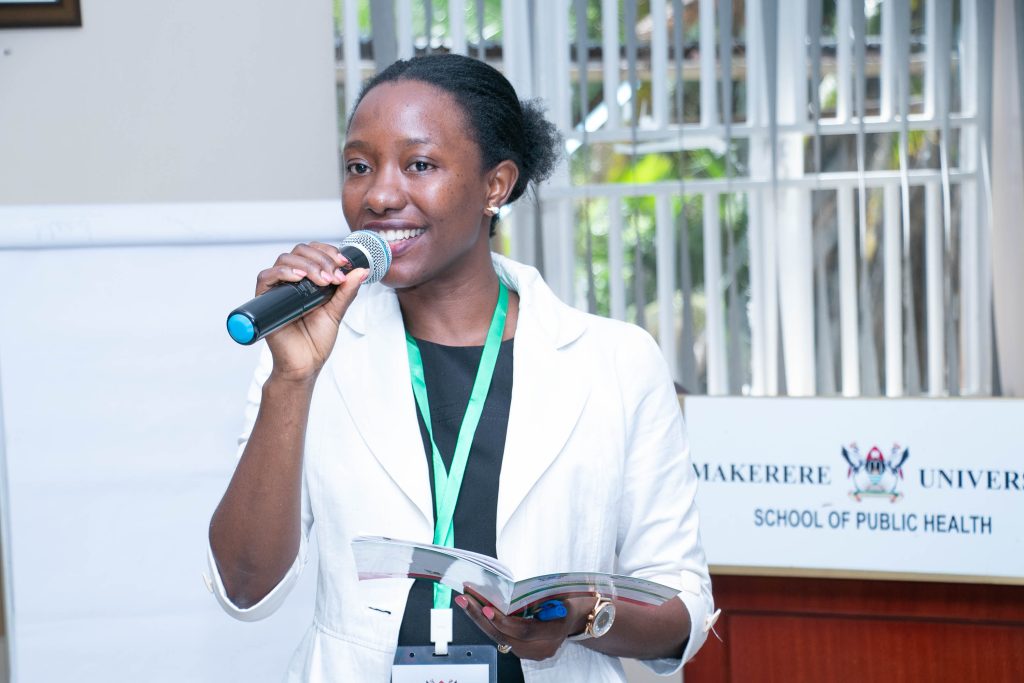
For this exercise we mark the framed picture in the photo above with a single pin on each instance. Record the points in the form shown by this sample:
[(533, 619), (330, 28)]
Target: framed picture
[(40, 13)]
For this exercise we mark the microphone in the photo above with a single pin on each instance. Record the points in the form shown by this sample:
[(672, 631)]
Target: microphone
[(287, 301)]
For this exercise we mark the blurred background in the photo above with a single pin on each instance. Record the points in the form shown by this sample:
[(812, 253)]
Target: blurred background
[(795, 198)]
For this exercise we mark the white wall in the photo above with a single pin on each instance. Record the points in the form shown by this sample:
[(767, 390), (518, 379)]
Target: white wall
[(170, 101), (151, 163), (121, 412)]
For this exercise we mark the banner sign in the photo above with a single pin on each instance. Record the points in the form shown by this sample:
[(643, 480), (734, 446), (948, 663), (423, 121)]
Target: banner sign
[(920, 486)]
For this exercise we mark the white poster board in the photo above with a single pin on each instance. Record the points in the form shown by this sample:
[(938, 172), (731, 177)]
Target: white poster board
[(926, 487)]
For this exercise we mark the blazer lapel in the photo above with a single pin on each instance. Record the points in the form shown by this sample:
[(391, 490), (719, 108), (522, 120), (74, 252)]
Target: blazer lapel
[(371, 370), (550, 387)]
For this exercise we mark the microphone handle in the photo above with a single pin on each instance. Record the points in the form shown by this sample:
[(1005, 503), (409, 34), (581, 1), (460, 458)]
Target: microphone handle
[(285, 302)]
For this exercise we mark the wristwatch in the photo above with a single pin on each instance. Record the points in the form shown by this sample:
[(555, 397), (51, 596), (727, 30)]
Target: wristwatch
[(599, 621)]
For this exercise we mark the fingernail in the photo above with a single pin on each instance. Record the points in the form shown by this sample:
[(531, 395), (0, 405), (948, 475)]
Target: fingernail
[(488, 612), (366, 276), (300, 273), (462, 601), (339, 274), (326, 276)]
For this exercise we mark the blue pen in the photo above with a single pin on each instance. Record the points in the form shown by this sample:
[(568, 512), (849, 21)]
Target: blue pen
[(551, 610)]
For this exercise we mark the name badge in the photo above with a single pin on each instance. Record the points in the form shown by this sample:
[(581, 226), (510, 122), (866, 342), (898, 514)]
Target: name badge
[(462, 664)]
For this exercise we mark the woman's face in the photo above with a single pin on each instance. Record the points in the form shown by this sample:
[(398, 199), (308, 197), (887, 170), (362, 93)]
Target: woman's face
[(412, 173)]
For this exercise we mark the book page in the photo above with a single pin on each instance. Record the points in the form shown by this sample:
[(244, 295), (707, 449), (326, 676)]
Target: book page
[(529, 592), (378, 557)]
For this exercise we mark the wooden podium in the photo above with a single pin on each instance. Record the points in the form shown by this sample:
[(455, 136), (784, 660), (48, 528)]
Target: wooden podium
[(813, 630)]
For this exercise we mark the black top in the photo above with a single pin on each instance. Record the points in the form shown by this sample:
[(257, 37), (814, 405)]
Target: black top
[(449, 372)]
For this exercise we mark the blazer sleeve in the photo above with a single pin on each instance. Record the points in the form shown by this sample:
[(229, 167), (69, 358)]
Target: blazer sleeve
[(272, 600), (659, 534)]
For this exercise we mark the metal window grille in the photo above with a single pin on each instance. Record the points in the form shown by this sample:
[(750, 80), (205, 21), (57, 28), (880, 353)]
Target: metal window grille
[(793, 197)]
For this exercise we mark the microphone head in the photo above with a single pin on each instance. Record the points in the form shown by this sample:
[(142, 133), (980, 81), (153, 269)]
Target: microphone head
[(376, 249)]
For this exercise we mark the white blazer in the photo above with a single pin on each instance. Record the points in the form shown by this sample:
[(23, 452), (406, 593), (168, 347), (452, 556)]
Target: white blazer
[(596, 476)]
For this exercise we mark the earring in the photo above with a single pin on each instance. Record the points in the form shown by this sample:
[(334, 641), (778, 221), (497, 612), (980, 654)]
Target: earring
[(492, 210)]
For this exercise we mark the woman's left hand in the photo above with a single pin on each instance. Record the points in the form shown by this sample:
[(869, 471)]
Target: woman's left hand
[(529, 638)]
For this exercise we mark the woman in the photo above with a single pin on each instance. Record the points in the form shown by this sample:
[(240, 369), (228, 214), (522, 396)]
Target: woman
[(578, 461)]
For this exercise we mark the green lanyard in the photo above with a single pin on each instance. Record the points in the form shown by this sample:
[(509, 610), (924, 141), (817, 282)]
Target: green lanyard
[(447, 484)]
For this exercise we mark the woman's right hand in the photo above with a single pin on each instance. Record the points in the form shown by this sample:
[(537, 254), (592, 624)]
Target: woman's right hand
[(301, 347)]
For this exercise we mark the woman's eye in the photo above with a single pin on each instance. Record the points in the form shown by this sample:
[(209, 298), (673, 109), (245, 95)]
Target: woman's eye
[(420, 166), (358, 168)]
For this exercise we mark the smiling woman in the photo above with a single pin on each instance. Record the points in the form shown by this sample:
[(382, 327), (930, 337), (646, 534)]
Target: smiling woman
[(466, 405), (427, 185)]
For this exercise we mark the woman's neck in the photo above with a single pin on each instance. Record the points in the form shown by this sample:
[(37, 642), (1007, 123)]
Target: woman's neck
[(456, 313)]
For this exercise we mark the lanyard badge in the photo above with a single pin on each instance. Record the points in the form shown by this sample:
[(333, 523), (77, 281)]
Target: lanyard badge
[(466, 664), (447, 484)]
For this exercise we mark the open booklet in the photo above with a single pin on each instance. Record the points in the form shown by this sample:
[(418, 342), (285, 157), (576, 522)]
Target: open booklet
[(486, 578)]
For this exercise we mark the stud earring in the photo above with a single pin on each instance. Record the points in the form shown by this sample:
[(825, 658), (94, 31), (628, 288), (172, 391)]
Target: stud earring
[(492, 210)]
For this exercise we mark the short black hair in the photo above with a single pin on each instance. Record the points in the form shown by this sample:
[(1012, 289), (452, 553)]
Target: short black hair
[(503, 126)]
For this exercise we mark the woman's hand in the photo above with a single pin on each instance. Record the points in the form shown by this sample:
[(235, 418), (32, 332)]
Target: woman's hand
[(639, 632), (529, 638), (301, 348), (255, 531)]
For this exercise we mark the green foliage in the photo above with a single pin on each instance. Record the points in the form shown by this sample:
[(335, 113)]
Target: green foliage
[(440, 23), (638, 221)]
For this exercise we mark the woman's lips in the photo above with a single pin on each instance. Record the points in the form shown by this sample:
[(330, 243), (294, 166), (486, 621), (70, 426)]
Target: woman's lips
[(399, 234), (402, 244)]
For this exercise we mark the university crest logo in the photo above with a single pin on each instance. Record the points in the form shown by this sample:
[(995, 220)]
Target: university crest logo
[(874, 475)]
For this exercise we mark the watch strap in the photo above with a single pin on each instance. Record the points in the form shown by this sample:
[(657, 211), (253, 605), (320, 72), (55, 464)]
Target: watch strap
[(588, 630)]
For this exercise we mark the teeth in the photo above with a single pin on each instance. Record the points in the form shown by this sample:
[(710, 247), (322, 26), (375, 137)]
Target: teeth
[(399, 235)]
